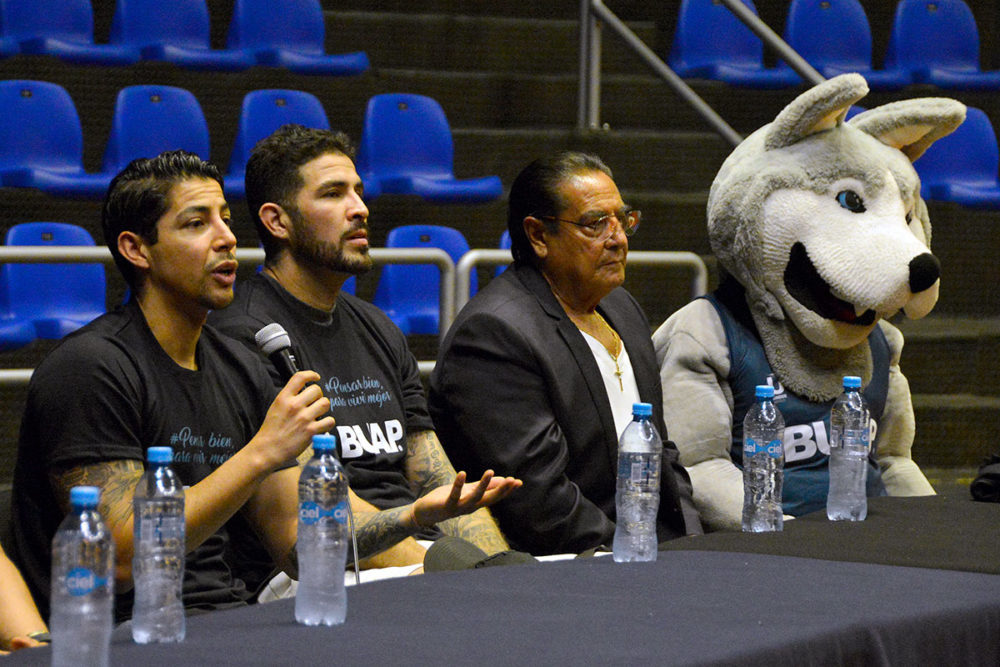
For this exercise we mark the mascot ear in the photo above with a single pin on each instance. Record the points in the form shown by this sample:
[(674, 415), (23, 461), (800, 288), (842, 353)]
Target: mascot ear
[(819, 108), (911, 125)]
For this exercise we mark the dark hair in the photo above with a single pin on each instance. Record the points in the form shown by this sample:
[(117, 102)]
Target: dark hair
[(272, 172), (535, 192), (140, 194)]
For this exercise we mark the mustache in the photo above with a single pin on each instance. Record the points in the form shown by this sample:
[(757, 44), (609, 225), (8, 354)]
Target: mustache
[(360, 225), (228, 257)]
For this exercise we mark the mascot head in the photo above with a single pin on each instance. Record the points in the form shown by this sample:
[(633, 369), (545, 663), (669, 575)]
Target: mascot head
[(820, 219)]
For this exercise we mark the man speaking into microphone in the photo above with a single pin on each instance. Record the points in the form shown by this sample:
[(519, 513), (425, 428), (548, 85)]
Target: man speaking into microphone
[(305, 197)]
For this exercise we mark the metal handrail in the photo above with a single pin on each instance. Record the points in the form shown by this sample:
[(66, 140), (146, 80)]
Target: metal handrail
[(380, 256), (594, 12), (490, 257)]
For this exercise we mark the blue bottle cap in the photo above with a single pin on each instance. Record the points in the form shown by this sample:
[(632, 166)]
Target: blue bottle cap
[(852, 382), (84, 497), (764, 391), (324, 442), (160, 454), (642, 410)]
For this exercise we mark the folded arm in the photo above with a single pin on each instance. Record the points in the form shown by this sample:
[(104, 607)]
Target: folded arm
[(698, 410)]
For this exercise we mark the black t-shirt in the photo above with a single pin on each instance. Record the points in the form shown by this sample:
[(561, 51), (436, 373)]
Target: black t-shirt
[(108, 392), (367, 371)]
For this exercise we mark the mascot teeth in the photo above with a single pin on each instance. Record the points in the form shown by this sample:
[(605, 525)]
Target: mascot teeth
[(807, 286)]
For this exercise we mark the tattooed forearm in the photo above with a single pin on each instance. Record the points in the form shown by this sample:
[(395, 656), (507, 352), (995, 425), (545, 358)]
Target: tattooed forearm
[(377, 531), (116, 479), (427, 466), (478, 528)]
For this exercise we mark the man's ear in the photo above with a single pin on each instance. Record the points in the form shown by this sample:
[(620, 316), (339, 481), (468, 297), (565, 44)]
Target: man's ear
[(274, 218), (134, 249), (534, 229)]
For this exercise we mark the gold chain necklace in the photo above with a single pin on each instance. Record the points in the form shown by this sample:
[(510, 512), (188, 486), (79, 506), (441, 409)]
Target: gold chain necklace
[(617, 351)]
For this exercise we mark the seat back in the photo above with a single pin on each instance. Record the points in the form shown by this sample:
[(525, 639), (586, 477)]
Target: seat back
[(410, 293), (405, 134), (296, 25), (933, 33), (177, 22), (56, 297), (969, 154), (264, 111), (40, 127), (830, 32), (707, 33), (72, 20), (151, 119)]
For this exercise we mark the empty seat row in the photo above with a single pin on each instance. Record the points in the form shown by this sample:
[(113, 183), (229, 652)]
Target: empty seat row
[(406, 146), (932, 42), (273, 33)]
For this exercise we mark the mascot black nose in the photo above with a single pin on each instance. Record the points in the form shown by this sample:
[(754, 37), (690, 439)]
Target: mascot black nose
[(925, 269)]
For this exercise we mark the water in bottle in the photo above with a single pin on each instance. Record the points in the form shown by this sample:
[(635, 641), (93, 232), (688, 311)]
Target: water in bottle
[(763, 464), (83, 560), (849, 443), (322, 537), (159, 546), (637, 497)]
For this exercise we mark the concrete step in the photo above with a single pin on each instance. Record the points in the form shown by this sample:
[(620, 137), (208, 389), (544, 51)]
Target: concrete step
[(955, 429), (952, 355), (452, 42)]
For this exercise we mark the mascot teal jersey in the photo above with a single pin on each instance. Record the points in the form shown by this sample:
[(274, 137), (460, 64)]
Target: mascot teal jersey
[(807, 423)]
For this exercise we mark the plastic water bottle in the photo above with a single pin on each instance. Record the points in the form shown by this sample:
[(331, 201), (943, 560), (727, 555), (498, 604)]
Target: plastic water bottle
[(763, 464), (159, 546), (849, 442), (83, 560), (637, 497), (323, 537)]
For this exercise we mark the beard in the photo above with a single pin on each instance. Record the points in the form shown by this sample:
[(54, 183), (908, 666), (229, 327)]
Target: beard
[(338, 257)]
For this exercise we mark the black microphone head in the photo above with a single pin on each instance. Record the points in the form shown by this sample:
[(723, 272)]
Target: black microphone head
[(272, 338)]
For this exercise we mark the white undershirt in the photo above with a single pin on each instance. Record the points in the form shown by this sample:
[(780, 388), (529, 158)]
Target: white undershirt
[(621, 396)]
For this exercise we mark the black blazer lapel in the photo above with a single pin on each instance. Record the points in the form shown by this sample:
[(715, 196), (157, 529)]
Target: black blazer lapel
[(571, 336)]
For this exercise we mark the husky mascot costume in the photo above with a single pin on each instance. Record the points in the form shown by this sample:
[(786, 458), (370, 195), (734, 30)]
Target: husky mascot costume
[(820, 234)]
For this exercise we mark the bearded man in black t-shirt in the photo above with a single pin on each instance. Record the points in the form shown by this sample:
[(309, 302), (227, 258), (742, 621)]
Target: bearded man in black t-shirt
[(305, 197), (150, 373)]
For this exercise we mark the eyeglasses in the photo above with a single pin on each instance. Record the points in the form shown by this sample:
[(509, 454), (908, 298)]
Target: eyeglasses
[(598, 226)]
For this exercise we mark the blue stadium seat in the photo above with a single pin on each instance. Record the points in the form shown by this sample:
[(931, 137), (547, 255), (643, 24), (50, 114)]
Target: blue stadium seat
[(263, 112), (55, 298), (151, 119), (62, 28), (938, 42), (410, 293), (289, 34), (406, 148), (963, 167), (41, 141), (710, 42), (178, 31), (834, 36)]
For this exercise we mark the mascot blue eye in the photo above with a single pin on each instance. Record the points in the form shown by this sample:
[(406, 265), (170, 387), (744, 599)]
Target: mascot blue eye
[(852, 201)]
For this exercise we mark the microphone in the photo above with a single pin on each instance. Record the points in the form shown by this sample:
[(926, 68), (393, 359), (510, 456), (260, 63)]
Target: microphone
[(273, 341)]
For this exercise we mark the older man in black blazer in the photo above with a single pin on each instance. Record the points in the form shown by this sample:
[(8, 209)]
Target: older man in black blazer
[(537, 375)]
